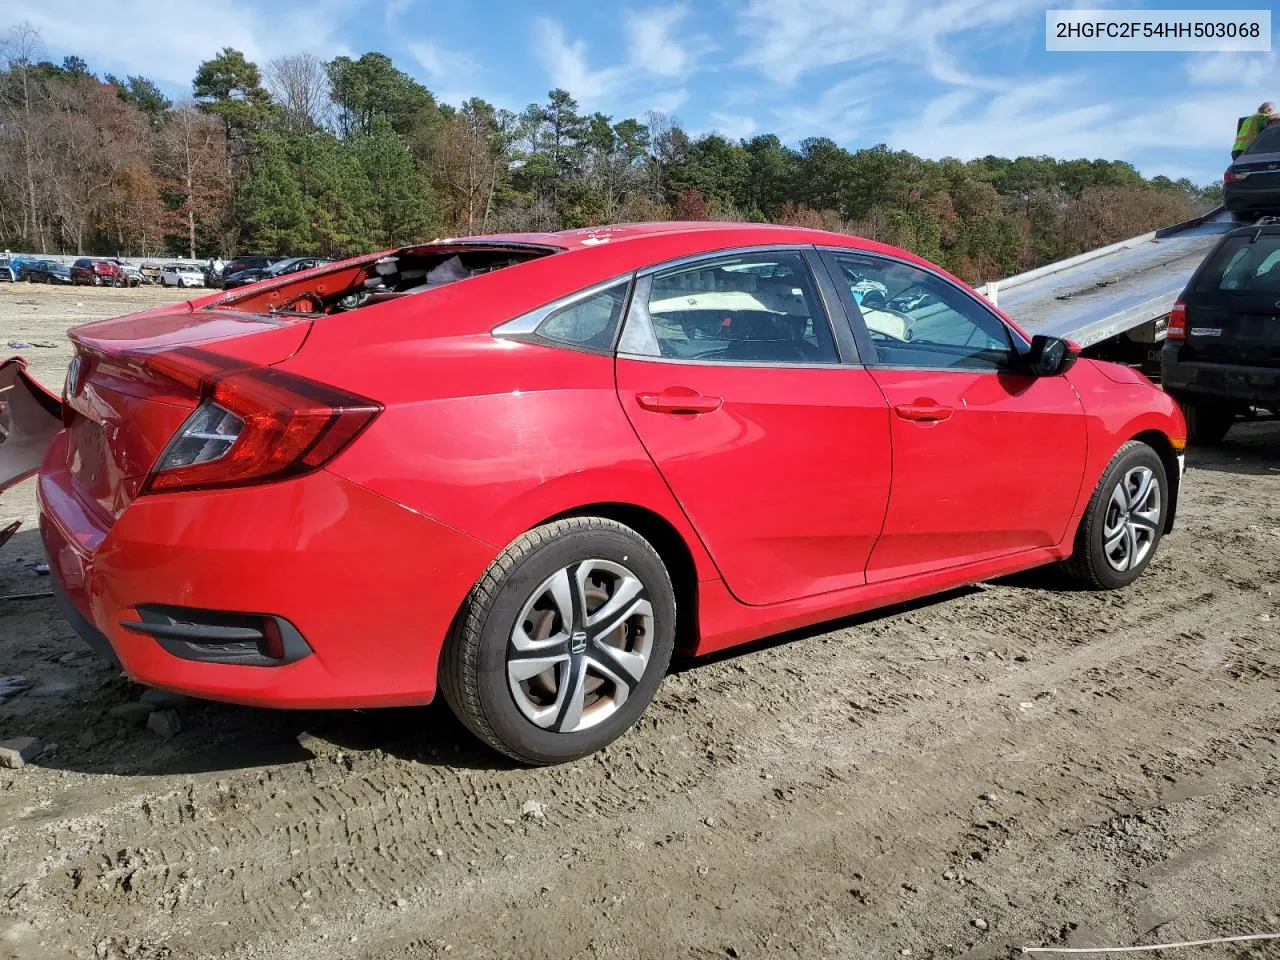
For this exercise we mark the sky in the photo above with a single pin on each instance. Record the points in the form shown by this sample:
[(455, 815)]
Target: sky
[(959, 78)]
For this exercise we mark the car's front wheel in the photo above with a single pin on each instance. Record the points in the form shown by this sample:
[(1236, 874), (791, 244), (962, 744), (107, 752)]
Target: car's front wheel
[(563, 642), (1124, 521)]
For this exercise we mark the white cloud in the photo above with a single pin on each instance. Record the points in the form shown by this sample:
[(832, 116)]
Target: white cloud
[(655, 55), (566, 63), (734, 126), (653, 45), (133, 38), (784, 40), (396, 7), (1232, 69), (668, 101), (1049, 117), (439, 62), (841, 112)]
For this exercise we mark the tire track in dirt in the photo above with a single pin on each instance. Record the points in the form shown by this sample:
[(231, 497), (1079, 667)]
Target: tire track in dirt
[(817, 797)]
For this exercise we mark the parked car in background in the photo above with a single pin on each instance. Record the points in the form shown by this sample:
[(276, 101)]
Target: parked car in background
[(1221, 355), (240, 264), (132, 273), (19, 265), (48, 271), (532, 456), (150, 272), (6, 269), (99, 272), (181, 275), (277, 269), (1251, 185)]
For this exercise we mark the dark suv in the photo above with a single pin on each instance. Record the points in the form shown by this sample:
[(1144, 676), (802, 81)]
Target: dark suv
[(1221, 358)]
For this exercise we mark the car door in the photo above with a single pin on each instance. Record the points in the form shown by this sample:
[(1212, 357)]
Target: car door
[(987, 459), (770, 434)]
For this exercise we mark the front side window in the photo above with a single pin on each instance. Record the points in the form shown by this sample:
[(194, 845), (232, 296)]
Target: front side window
[(917, 319), (589, 323), (749, 308)]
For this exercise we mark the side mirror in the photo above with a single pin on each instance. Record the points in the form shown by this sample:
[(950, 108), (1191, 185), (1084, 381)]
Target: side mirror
[(1050, 356)]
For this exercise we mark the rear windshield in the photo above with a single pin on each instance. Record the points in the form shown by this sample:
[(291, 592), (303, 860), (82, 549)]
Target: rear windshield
[(1243, 265), (1268, 141)]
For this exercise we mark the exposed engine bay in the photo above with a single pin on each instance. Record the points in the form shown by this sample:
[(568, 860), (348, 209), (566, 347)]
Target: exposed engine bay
[(405, 272)]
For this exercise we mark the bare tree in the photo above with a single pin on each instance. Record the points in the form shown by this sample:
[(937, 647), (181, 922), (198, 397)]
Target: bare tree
[(189, 156), (300, 84), (21, 49)]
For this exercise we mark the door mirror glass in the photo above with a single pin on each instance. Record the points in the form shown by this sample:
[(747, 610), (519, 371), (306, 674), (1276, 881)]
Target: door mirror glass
[(1050, 356)]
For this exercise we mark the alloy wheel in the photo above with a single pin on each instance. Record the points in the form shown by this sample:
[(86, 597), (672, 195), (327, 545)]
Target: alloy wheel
[(580, 646), (1133, 519)]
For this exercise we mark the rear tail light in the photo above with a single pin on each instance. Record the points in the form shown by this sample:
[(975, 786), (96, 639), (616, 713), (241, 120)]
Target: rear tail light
[(1232, 177), (254, 425), (1177, 329)]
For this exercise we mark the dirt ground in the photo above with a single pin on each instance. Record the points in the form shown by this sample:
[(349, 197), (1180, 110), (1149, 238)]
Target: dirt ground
[(1013, 764)]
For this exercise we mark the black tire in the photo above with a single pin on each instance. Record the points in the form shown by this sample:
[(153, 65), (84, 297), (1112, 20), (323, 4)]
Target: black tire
[(480, 648), (1207, 421), (1092, 563)]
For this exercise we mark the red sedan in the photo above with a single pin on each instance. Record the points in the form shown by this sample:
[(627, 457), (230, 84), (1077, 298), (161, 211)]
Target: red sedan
[(525, 468)]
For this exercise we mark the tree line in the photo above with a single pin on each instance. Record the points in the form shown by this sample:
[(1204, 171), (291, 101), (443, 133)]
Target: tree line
[(301, 155)]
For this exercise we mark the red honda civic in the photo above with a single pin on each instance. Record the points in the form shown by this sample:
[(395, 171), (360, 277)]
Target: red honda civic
[(525, 468)]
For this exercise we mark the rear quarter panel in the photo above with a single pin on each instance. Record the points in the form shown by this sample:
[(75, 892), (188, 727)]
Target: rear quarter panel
[(492, 437)]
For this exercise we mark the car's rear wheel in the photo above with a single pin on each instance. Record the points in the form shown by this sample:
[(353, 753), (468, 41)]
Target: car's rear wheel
[(1207, 421), (1124, 521), (563, 642)]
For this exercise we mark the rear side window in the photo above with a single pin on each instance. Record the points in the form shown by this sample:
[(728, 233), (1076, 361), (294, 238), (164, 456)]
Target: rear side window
[(753, 308), (1243, 265), (589, 323)]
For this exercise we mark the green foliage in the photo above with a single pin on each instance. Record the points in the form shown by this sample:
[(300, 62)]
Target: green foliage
[(400, 204), (142, 93), (373, 87)]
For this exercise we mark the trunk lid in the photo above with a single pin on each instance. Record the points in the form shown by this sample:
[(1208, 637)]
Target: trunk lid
[(1261, 171), (30, 417), (125, 397)]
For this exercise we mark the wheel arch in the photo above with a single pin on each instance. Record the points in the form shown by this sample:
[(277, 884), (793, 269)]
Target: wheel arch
[(1159, 442), (671, 547)]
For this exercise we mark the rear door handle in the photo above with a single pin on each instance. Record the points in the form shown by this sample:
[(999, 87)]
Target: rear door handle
[(923, 411), (678, 400)]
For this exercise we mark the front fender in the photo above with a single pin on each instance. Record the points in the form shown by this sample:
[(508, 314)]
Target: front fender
[(1120, 405)]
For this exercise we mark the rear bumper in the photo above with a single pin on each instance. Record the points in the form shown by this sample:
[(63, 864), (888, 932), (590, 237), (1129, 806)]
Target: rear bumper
[(1226, 381), (1244, 198), (371, 586)]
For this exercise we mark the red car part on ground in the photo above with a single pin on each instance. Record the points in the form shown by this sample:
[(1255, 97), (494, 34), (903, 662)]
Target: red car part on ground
[(524, 467)]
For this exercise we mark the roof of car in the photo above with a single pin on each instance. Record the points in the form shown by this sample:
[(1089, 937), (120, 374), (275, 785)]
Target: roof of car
[(617, 233), (1246, 229)]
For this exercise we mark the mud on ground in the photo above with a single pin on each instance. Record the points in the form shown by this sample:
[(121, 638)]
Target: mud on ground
[(1017, 763)]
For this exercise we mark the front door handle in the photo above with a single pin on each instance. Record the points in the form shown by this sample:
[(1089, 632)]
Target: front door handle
[(678, 400), (923, 411)]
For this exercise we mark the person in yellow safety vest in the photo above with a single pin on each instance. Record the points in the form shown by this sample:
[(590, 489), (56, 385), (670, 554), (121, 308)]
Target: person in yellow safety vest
[(1250, 127)]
